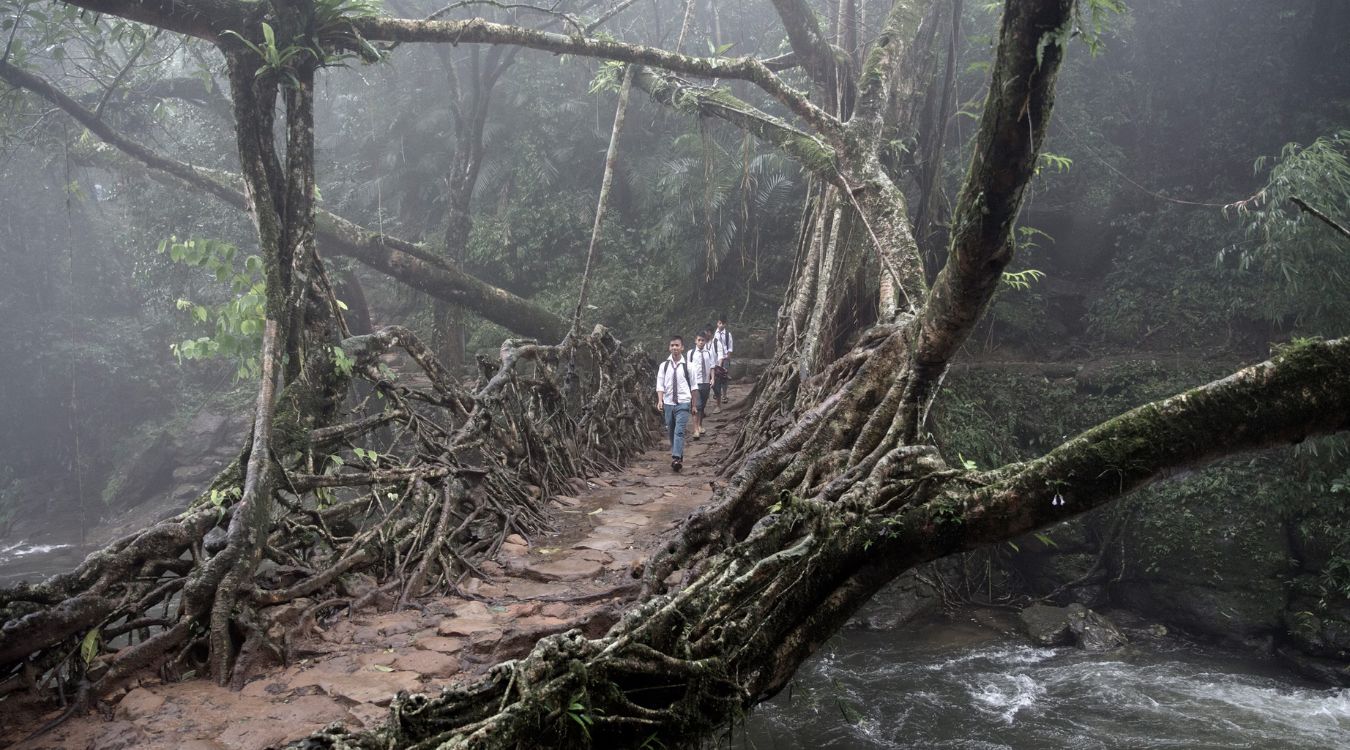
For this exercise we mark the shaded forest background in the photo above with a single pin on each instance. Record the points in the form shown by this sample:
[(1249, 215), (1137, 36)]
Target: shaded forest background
[(1145, 281)]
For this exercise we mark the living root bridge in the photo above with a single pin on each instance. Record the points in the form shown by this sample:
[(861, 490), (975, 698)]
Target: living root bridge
[(679, 665), (401, 500)]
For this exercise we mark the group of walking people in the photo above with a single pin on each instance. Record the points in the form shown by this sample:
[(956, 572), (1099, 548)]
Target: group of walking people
[(687, 381)]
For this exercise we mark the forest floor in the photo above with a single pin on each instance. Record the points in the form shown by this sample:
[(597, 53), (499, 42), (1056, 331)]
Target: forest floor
[(348, 668)]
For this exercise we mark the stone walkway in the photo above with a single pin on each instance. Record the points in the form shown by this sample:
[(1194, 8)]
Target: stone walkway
[(348, 670)]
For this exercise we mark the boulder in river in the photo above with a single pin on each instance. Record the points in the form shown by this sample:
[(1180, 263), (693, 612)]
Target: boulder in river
[(1074, 624)]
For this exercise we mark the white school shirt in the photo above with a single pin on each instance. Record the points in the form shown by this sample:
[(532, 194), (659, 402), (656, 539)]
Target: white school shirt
[(701, 364), (672, 383), (723, 339)]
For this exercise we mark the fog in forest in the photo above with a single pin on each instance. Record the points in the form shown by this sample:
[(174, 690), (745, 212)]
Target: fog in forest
[(1186, 218)]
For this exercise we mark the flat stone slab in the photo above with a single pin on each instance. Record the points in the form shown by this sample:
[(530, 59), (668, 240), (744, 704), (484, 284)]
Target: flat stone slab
[(427, 663), (670, 480), (613, 531), (624, 518), (138, 704), (599, 543), (370, 685), (566, 569), (465, 626), (594, 555), (522, 589), (440, 644)]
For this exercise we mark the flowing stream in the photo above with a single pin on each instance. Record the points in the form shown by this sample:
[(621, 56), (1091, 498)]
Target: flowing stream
[(962, 685)]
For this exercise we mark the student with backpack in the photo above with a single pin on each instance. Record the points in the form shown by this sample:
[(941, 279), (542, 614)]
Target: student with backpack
[(722, 346), (702, 362), (676, 398)]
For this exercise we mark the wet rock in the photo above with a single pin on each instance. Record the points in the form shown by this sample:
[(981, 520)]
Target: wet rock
[(383, 658), (1333, 672), (139, 704), (471, 609), (464, 627), (121, 735), (594, 556), (280, 722), (516, 539), (613, 531), (368, 716), (520, 611), (1317, 631), (1046, 626), (1237, 614), (1093, 632), (204, 428), (1074, 624), (556, 609), (431, 664), (356, 585), (399, 627), (525, 633), (214, 541), (566, 569), (369, 685), (603, 545), (440, 644), (483, 642), (903, 600)]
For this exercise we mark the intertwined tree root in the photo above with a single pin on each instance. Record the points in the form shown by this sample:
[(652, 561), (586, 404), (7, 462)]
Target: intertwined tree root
[(424, 481)]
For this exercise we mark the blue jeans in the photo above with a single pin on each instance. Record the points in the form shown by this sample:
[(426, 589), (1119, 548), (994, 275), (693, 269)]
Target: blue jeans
[(676, 418)]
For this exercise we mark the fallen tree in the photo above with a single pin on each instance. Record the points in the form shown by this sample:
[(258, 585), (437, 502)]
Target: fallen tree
[(837, 489)]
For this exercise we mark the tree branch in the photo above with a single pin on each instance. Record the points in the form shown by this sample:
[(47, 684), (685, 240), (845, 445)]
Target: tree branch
[(398, 258), (811, 50), (204, 19), (1032, 41), (1302, 392), (814, 155), (480, 31), (1297, 201)]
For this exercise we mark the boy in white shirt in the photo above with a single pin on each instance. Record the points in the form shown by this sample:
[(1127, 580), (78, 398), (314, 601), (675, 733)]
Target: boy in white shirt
[(701, 363), (675, 398), (721, 347)]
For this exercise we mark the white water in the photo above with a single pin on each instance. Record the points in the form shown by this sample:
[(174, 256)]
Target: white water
[(22, 548), (945, 686)]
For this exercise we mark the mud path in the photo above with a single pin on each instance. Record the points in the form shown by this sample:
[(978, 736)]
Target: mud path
[(346, 669)]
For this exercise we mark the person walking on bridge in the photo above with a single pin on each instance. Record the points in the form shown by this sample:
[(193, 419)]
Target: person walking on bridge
[(722, 345), (676, 397), (702, 362)]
